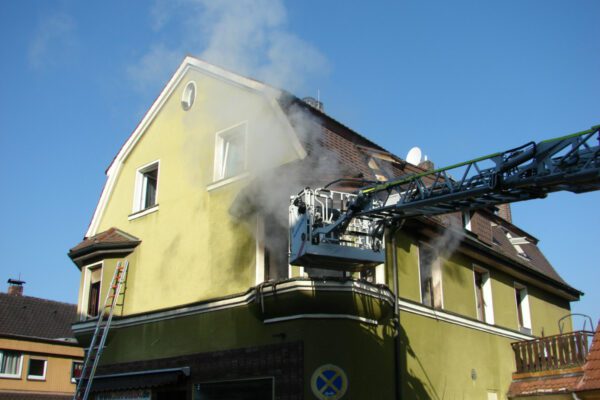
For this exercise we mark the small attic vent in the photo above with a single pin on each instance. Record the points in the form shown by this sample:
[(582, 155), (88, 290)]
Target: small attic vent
[(314, 103), (188, 96)]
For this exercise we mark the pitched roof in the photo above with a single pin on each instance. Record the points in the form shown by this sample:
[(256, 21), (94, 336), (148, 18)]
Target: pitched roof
[(591, 369), (36, 318), (110, 242), (112, 236)]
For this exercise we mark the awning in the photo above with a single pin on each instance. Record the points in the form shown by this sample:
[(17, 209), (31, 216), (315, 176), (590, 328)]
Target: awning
[(139, 379)]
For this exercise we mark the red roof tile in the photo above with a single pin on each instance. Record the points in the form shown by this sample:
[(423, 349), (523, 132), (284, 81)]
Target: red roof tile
[(591, 369), (543, 385)]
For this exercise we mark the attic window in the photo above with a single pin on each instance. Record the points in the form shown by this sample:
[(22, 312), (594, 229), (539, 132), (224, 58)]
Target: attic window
[(230, 152), (517, 242), (146, 187), (188, 96)]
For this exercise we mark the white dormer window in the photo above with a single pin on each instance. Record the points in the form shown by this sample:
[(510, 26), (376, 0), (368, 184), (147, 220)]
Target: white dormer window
[(517, 242), (146, 187), (230, 152)]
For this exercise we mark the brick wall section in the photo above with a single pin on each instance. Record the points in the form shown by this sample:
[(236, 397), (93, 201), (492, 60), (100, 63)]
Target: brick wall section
[(284, 362), (482, 227)]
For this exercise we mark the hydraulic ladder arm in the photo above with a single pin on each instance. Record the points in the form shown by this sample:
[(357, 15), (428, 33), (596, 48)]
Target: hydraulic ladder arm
[(569, 163)]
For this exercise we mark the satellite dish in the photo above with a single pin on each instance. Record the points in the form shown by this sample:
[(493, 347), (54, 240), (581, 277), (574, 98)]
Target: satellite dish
[(414, 156)]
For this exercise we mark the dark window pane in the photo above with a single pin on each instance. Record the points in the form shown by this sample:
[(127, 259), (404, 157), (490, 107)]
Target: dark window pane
[(36, 367), (151, 181), (76, 369), (94, 299), (426, 272)]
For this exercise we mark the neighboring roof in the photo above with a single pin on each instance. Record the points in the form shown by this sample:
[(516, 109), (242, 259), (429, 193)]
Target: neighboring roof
[(591, 369), (36, 318), (543, 386)]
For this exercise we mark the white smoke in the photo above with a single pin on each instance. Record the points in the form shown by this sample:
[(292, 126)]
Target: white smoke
[(249, 37)]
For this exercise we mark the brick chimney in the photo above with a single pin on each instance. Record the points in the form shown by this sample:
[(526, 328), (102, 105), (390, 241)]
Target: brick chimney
[(504, 212), (15, 287)]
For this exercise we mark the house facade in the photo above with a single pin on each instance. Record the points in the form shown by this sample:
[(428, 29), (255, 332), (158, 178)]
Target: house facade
[(197, 202), (39, 357)]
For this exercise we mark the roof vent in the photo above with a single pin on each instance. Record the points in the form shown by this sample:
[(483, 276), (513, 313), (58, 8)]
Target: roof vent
[(15, 287), (314, 103)]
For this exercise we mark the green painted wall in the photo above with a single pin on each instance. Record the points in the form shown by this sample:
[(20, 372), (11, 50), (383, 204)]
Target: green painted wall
[(438, 359), (546, 310), (459, 291)]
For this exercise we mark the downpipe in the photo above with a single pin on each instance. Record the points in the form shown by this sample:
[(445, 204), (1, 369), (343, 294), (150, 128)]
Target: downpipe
[(392, 230)]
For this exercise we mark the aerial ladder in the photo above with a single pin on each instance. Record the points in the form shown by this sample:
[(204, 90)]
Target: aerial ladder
[(341, 230)]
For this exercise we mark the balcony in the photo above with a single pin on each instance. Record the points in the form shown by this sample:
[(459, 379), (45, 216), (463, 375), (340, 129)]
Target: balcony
[(330, 298), (552, 353)]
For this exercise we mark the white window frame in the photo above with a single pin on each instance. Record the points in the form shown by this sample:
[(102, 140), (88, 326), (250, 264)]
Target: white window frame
[(517, 242), (139, 196), (525, 307), (221, 150), (466, 219), (18, 374), (188, 95), (488, 300), (436, 276), (37, 377), (87, 282)]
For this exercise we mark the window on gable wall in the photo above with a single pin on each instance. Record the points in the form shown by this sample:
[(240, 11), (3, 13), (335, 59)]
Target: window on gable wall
[(430, 277), (146, 187), (10, 364), (230, 152)]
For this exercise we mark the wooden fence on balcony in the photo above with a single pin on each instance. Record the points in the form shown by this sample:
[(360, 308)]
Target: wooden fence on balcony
[(552, 352)]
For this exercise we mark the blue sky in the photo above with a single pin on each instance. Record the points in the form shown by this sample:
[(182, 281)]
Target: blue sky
[(459, 79)]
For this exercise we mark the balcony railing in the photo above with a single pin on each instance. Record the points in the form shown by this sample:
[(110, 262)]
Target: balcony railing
[(552, 352)]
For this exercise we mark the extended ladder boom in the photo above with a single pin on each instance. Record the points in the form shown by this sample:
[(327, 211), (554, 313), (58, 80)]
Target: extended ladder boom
[(330, 229), (570, 163)]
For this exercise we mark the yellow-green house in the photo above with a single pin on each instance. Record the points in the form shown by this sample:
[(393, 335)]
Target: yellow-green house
[(197, 203)]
